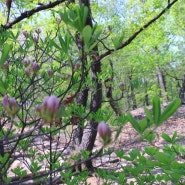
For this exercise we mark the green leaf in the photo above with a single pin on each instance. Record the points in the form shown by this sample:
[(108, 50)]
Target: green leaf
[(87, 33), (166, 137), (134, 123), (170, 109), (2, 87), (85, 14), (53, 43), (151, 150), (164, 158), (174, 136), (119, 153), (143, 124), (117, 41), (148, 114), (5, 52), (118, 131), (156, 109)]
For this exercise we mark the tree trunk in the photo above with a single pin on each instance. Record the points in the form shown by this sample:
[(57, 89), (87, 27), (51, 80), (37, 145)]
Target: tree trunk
[(182, 91), (146, 101), (133, 97), (1, 155), (90, 132), (162, 83), (77, 129), (108, 85), (87, 138)]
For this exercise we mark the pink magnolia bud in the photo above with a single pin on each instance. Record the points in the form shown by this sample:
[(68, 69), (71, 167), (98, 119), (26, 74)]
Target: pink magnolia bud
[(38, 108), (25, 33), (35, 38), (58, 20), (104, 132), (26, 62), (38, 31), (121, 86), (10, 105), (52, 103), (49, 108), (35, 67), (27, 72), (64, 76), (14, 106), (50, 72), (6, 64), (5, 101)]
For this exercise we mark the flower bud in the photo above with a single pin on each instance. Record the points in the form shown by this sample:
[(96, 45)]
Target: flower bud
[(38, 31), (50, 72), (109, 27), (26, 62), (64, 76), (48, 110), (104, 132), (38, 108), (35, 38), (27, 72), (10, 105), (6, 64), (5, 101), (35, 67), (25, 33), (121, 86), (58, 20)]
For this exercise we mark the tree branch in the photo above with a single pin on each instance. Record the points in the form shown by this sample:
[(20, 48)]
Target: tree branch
[(29, 13), (130, 39)]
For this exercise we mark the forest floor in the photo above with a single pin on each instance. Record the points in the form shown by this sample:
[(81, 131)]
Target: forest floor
[(128, 135)]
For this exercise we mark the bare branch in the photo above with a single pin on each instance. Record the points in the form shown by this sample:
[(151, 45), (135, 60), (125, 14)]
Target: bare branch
[(129, 40), (29, 13)]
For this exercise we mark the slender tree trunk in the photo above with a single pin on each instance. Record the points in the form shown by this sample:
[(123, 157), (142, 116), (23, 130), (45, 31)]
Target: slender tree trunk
[(90, 132), (114, 104), (162, 83), (108, 85), (1, 154), (146, 101), (77, 129), (133, 97), (182, 91)]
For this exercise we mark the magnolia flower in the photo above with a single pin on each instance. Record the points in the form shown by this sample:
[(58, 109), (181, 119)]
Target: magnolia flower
[(104, 132)]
